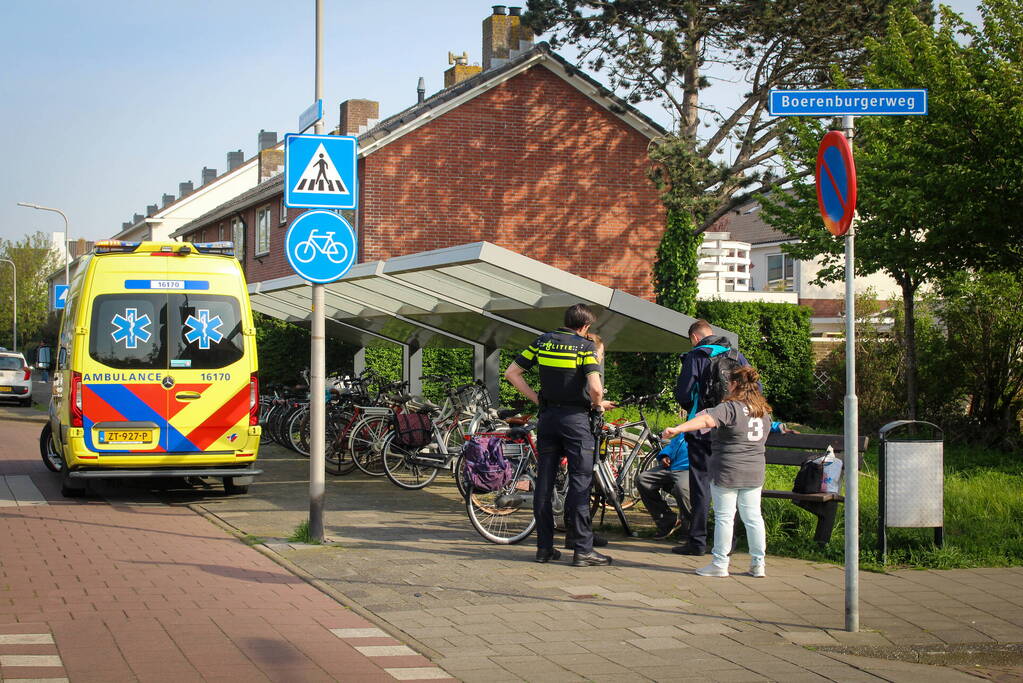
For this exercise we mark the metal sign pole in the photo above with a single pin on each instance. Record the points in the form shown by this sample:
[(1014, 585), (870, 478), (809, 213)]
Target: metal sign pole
[(852, 484), (317, 361)]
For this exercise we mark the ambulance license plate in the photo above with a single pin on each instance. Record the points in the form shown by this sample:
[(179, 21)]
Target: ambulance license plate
[(126, 436)]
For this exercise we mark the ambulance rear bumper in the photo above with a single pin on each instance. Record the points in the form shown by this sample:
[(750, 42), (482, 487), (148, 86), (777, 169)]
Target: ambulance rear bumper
[(164, 472)]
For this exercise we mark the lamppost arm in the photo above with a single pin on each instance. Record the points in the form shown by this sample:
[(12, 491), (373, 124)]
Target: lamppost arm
[(67, 236)]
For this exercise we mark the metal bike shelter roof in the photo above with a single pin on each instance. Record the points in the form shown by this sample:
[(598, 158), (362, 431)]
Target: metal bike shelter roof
[(469, 295)]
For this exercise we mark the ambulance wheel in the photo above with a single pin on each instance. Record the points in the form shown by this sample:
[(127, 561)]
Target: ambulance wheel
[(233, 489), (70, 488), (51, 458)]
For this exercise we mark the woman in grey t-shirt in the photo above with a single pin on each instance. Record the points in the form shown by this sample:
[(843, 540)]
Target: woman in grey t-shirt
[(737, 464)]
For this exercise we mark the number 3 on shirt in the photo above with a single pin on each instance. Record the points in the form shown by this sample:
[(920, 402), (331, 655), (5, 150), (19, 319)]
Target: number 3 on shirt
[(756, 429)]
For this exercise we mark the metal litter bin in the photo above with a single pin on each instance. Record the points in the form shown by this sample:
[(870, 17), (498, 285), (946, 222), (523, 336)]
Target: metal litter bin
[(911, 485)]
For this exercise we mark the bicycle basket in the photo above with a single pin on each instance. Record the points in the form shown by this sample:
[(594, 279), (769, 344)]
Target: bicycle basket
[(412, 430)]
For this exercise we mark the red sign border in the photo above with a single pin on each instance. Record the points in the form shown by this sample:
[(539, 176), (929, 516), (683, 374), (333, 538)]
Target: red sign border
[(837, 138)]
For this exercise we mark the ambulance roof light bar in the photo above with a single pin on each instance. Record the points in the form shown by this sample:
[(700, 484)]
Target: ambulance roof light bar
[(107, 246)]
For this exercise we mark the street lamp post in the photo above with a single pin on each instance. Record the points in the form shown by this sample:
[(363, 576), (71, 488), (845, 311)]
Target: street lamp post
[(7, 260), (67, 237)]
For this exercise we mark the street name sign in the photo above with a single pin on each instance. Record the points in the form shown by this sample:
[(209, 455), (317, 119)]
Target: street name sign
[(320, 246), (847, 102), (320, 172), (310, 116), (60, 297), (836, 182)]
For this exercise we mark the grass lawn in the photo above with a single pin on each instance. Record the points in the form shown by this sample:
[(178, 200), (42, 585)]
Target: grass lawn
[(983, 514)]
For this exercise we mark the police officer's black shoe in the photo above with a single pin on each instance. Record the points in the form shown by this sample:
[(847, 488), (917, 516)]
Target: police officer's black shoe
[(598, 542), (689, 549), (590, 559), (547, 554)]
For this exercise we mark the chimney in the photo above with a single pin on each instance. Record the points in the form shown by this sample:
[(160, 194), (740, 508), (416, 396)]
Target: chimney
[(234, 160), (461, 69), (125, 226), (504, 35), (168, 199), (137, 218), (185, 189), (208, 174), (151, 209), (421, 90), (358, 116), (271, 163), (267, 139)]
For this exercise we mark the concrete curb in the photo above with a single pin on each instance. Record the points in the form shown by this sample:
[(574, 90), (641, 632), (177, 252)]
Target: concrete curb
[(320, 585), (22, 415)]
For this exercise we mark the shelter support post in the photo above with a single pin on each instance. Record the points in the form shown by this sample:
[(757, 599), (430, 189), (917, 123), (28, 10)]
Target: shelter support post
[(359, 361), (486, 366), (412, 367)]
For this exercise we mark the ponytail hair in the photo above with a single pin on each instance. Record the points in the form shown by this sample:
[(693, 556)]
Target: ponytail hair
[(747, 391)]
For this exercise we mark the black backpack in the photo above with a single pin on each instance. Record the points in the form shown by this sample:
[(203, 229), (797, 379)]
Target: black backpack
[(723, 361)]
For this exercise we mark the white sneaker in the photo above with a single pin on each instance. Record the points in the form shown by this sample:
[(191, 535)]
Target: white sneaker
[(712, 570), (756, 570)]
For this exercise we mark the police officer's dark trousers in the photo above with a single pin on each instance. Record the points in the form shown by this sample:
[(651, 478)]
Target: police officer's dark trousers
[(564, 432), (699, 489)]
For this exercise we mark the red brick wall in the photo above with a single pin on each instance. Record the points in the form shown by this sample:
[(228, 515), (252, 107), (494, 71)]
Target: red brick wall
[(532, 165)]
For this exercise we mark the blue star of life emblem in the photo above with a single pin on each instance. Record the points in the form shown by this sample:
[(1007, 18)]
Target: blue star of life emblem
[(130, 328), (203, 329)]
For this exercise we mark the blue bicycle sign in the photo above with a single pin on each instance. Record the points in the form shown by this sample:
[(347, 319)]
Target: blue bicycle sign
[(324, 244), (320, 246)]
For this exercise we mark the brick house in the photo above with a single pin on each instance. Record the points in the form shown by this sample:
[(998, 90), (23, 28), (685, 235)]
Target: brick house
[(525, 151)]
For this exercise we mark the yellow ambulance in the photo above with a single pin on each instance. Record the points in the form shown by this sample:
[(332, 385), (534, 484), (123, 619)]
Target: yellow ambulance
[(156, 371)]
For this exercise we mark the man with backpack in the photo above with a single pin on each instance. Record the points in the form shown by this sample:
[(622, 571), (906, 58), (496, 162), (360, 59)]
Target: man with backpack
[(702, 383)]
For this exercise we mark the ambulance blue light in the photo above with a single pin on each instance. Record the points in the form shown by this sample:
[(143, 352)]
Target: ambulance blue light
[(107, 246), (226, 248)]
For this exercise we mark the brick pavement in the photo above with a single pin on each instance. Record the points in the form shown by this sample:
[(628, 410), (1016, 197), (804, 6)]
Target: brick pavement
[(130, 589), (488, 613)]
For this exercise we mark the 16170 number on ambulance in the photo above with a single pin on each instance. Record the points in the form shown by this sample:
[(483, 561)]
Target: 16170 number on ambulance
[(156, 370)]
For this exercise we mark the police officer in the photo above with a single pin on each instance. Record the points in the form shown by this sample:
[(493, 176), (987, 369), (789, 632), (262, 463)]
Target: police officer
[(568, 371)]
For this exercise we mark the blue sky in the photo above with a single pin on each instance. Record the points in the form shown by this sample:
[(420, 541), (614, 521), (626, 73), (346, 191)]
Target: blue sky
[(109, 105)]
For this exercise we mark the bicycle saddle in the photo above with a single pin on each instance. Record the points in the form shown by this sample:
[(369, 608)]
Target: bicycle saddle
[(428, 406), (521, 432), (505, 413)]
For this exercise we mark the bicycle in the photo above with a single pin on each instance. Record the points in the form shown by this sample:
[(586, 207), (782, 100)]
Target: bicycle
[(305, 251), (628, 451)]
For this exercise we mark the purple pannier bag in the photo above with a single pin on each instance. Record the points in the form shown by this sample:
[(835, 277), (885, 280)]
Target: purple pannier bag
[(486, 468)]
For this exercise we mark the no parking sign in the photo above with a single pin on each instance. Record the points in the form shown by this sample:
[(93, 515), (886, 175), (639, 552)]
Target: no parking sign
[(836, 182)]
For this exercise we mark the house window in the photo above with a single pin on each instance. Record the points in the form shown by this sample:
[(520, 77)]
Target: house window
[(780, 273), (263, 231), (238, 237), (220, 232), (284, 212)]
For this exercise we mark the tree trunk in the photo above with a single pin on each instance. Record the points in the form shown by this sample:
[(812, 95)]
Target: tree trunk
[(691, 83), (908, 293)]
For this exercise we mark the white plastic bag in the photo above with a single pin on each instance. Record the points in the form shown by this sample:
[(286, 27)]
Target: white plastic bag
[(832, 481)]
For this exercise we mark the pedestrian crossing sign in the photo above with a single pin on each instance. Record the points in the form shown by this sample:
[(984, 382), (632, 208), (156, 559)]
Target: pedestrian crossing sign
[(320, 172)]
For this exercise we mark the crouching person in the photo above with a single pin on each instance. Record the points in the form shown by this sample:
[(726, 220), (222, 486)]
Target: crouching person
[(671, 477)]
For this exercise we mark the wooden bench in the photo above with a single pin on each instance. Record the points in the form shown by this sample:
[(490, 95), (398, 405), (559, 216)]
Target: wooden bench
[(792, 450)]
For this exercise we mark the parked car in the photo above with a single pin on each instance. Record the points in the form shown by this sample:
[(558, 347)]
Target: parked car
[(15, 377)]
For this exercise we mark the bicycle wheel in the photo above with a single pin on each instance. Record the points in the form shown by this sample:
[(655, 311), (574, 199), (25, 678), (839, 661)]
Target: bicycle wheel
[(506, 516), (618, 449), (401, 469), (298, 431), (339, 460), (365, 443)]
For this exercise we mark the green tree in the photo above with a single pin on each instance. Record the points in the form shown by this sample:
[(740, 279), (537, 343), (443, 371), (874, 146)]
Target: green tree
[(983, 314), (670, 52), (912, 224), (34, 261)]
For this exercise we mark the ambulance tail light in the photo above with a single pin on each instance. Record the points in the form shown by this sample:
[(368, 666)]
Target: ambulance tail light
[(76, 399), (107, 246), (253, 400), (224, 248)]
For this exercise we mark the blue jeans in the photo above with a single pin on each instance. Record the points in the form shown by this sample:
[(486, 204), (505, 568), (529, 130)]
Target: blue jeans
[(748, 502)]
